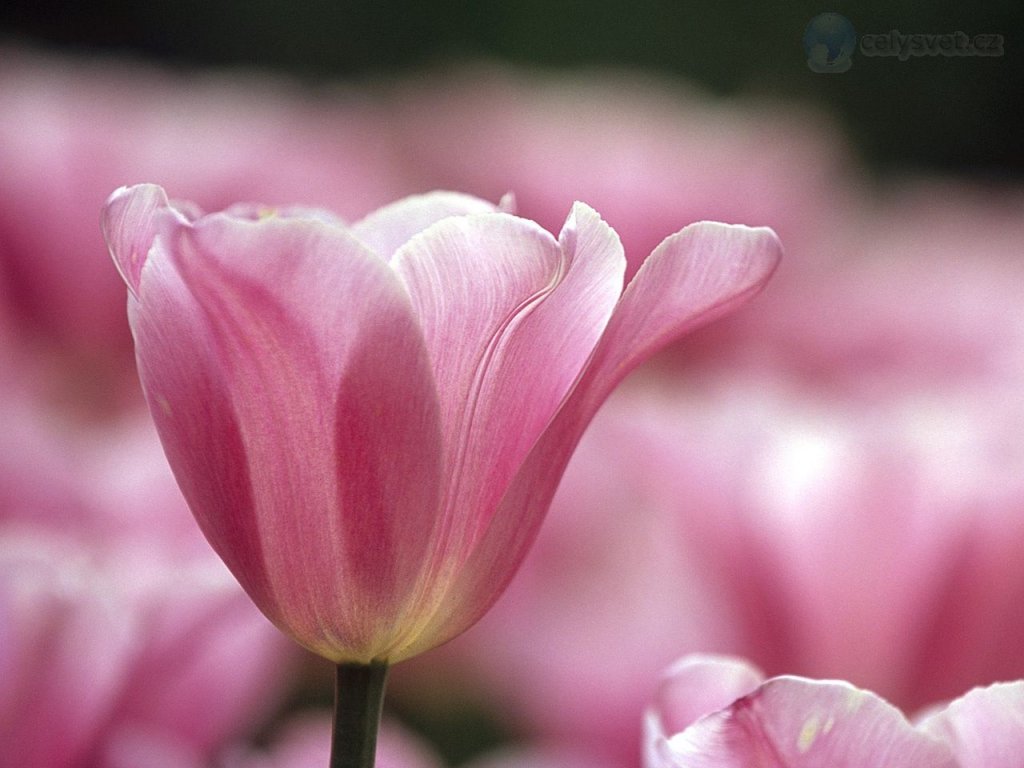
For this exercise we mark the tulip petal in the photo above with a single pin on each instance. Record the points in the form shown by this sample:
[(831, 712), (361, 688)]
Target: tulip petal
[(296, 331), (985, 727), (389, 228), (694, 276), (130, 222), (793, 722), (510, 317), (698, 684), (691, 688)]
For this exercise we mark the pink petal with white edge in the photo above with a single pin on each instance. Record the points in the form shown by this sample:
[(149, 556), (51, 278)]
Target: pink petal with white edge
[(694, 276), (389, 228), (791, 722), (985, 727), (295, 330), (510, 317)]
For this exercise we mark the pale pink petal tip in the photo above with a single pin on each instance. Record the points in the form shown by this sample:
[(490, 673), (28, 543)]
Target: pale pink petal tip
[(388, 228), (507, 204), (129, 228)]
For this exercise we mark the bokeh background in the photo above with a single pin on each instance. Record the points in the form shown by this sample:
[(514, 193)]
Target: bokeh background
[(958, 115), (829, 483)]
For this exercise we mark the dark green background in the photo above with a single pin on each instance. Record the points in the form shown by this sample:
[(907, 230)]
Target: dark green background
[(950, 114)]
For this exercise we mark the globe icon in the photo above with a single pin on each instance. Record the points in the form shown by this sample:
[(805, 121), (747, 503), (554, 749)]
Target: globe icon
[(829, 42)]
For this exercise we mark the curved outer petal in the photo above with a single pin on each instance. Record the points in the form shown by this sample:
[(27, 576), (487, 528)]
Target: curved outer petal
[(694, 276), (267, 350), (132, 218), (792, 722), (510, 317), (985, 727)]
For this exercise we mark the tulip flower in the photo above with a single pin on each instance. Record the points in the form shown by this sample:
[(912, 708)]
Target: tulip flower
[(720, 712), (369, 421)]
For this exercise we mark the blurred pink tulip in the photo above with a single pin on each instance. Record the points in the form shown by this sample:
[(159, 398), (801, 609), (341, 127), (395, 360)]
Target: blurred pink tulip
[(647, 153), (305, 743), (369, 421), (719, 712), (106, 647), (122, 641)]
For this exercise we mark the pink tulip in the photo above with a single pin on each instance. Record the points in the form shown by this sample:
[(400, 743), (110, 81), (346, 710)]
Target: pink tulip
[(720, 712), (369, 422)]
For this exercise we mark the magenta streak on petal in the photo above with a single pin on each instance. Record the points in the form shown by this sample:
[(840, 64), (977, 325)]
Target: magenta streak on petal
[(235, 337), (296, 369), (375, 434)]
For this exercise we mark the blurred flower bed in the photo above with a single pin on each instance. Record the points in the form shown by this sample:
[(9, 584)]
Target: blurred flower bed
[(829, 483)]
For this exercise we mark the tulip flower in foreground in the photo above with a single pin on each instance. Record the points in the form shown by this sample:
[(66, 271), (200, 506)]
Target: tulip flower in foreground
[(719, 712), (369, 421)]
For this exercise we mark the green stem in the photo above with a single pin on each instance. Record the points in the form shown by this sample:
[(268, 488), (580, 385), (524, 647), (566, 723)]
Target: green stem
[(358, 696)]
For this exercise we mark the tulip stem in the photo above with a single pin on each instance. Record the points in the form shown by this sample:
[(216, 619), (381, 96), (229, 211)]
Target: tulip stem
[(358, 697)]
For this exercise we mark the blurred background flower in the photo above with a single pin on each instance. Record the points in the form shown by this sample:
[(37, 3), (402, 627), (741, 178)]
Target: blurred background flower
[(828, 483), (125, 642), (721, 711)]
